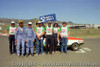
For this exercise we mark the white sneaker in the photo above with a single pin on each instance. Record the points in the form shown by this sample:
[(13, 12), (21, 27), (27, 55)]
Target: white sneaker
[(36, 54), (18, 54), (22, 54), (42, 54)]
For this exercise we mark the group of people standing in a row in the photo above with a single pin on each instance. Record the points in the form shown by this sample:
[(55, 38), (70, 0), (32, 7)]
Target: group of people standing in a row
[(28, 35)]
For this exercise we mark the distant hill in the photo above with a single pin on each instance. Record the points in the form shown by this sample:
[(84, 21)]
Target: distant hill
[(7, 20)]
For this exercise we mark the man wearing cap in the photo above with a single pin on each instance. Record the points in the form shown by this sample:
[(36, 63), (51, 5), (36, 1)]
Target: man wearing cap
[(20, 38), (11, 36), (64, 33), (39, 37), (49, 37), (29, 38)]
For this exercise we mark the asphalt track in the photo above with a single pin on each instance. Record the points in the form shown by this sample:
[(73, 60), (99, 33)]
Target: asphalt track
[(87, 56)]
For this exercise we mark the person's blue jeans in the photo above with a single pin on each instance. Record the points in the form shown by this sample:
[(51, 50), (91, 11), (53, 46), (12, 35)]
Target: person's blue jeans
[(29, 45), (20, 41), (38, 43), (64, 44)]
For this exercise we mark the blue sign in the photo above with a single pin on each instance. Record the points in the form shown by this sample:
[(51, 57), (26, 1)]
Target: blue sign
[(46, 18)]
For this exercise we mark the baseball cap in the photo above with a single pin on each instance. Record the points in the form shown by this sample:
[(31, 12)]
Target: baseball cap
[(30, 23), (12, 22)]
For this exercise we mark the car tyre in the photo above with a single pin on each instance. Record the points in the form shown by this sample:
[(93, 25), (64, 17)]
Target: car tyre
[(75, 46)]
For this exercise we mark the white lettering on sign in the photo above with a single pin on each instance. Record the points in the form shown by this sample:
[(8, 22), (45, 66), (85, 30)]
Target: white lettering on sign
[(46, 18)]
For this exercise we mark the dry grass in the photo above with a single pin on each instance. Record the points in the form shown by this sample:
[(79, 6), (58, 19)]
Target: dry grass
[(81, 33)]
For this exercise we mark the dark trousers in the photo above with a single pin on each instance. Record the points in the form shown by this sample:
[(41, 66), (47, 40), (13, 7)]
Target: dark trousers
[(54, 42), (49, 43), (12, 44)]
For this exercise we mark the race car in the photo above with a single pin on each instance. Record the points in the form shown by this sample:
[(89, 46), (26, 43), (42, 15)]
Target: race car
[(73, 43)]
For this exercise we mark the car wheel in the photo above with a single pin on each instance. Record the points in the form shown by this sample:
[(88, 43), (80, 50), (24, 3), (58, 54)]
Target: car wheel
[(75, 46)]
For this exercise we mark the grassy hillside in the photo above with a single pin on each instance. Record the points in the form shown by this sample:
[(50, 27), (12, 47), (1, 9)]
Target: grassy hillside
[(85, 33), (81, 33)]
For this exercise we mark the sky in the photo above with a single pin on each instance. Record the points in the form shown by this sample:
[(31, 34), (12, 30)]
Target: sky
[(77, 11)]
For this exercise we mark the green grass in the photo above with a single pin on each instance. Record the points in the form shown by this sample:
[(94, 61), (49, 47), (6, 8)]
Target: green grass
[(85, 33)]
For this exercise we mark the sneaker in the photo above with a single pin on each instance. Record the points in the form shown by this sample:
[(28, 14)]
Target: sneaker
[(18, 54), (22, 54), (42, 54), (36, 54)]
